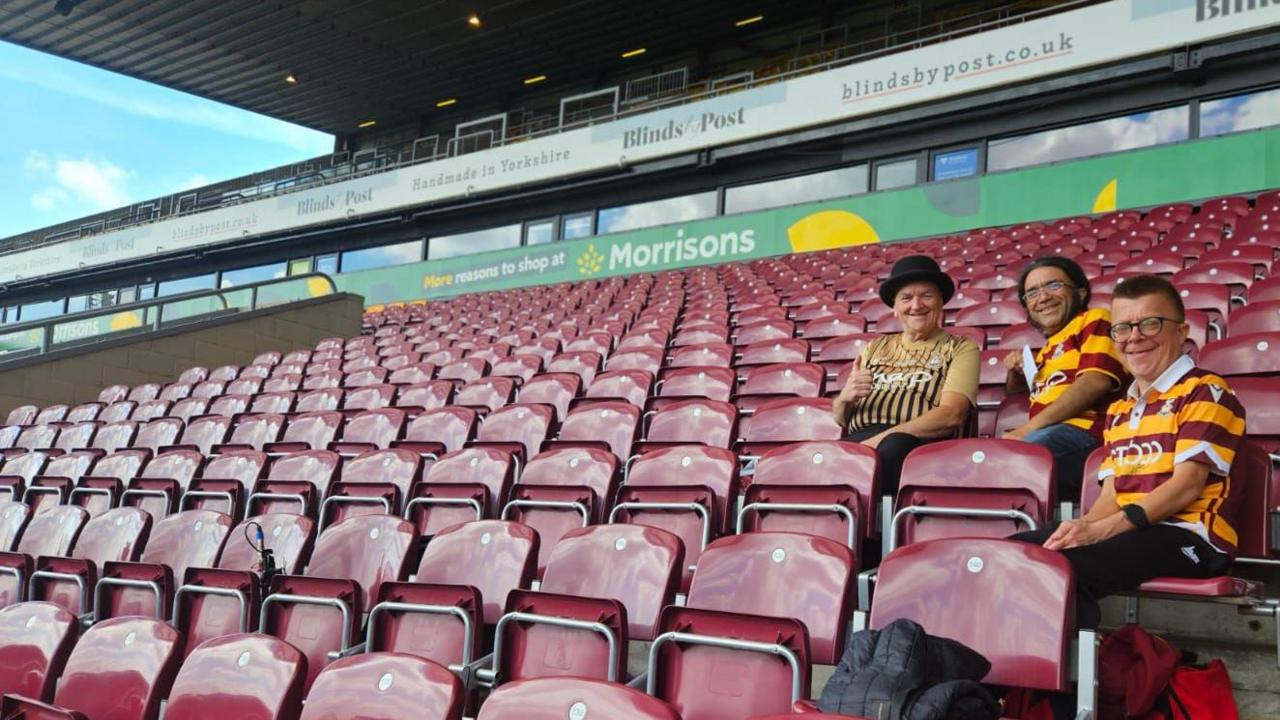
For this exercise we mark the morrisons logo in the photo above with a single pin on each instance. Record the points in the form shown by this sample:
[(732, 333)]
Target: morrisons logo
[(1210, 9)]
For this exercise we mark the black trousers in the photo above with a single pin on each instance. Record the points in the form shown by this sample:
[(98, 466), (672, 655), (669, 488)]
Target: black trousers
[(1129, 559), (892, 450)]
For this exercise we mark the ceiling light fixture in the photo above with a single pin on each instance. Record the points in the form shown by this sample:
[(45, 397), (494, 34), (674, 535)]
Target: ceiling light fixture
[(749, 21), (367, 124), (633, 53), (534, 79), (446, 103), (474, 20), (290, 78)]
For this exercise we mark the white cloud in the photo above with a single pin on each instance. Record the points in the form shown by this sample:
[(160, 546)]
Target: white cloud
[(181, 108), (91, 184)]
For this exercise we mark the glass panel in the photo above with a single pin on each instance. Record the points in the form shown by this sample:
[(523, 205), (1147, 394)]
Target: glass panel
[(955, 164), (190, 284), (896, 174), (384, 256), (539, 232), (479, 241), (40, 310), (1242, 112), (128, 295), (824, 185), (146, 292), (1095, 138), (576, 226), (244, 276), (657, 212), (327, 264), (303, 265), (77, 303)]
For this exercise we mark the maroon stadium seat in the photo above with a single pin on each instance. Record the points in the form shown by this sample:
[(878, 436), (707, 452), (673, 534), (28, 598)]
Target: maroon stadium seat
[(210, 685)]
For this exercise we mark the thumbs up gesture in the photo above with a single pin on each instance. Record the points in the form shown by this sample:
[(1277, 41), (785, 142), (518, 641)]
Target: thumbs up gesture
[(859, 383)]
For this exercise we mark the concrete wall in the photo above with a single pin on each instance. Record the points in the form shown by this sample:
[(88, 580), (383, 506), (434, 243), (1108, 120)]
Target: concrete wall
[(76, 375)]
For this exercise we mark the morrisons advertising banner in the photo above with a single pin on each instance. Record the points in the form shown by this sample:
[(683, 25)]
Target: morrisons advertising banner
[(1241, 163), (1064, 42)]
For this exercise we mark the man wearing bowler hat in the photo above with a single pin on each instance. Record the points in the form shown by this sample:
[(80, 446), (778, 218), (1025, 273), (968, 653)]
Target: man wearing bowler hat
[(912, 387)]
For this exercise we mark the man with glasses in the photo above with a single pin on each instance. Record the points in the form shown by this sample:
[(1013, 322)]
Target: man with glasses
[(1073, 377), (1166, 508)]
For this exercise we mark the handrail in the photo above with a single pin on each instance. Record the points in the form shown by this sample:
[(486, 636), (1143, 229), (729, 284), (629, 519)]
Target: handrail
[(47, 325), (345, 168)]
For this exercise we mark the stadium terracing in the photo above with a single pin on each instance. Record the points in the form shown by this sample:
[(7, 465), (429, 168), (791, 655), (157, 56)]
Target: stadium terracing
[(519, 406)]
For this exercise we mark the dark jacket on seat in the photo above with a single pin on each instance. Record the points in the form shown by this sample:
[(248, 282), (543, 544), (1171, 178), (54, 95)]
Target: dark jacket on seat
[(902, 673)]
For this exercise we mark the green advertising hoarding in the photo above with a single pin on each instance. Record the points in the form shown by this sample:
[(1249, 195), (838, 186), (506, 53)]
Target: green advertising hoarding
[(1245, 162)]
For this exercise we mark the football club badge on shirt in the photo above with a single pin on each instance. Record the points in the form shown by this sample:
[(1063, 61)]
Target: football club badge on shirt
[(1058, 350)]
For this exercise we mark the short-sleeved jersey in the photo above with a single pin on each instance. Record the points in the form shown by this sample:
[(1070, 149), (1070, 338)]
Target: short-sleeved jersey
[(1187, 415), (910, 377), (1084, 345)]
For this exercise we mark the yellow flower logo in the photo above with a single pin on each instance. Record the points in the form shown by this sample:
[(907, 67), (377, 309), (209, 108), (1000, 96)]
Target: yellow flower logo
[(590, 262)]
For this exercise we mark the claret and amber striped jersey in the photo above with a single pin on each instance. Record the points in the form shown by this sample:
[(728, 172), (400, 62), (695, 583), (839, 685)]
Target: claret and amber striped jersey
[(908, 378), (1082, 346), (1187, 415)]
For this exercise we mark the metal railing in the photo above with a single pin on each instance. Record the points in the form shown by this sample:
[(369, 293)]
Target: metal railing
[(340, 166), (38, 337)]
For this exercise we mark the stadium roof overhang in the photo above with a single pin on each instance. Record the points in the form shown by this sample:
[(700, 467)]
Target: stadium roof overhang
[(384, 60)]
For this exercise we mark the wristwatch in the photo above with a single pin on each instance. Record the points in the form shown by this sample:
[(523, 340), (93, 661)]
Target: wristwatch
[(1137, 516)]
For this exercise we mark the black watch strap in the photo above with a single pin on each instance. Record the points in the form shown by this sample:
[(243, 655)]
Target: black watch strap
[(1137, 516)]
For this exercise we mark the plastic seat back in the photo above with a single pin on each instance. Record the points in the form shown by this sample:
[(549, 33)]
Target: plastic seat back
[(35, 640), (122, 667), (558, 698), (489, 392), (319, 400), (822, 473), (158, 433), (370, 549), (528, 425), (493, 556), (22, 415), (554, 389), (636, 565), (808, 578), (244, 676), (790, 420), (13, 519), (405, 686), (982, 474), (699, 421), (315, 430), (114, 536), (462, 486), (1011, 601), (257, 430), (189, 539), (205, 432), (611, 423)]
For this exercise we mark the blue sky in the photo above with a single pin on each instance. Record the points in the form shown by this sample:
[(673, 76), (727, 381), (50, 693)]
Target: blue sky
[(76, 140)]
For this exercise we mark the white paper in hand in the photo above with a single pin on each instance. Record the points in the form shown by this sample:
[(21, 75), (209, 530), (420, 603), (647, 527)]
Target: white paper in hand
[(1029, 368)]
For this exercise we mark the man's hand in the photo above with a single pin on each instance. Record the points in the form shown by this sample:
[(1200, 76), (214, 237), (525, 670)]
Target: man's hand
[(1013, 361), (1075, 533), (858, 385)]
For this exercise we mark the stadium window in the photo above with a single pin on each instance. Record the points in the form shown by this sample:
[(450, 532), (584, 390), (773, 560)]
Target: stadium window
[(40, 310), (186, 285), (824, 185), (244, 276), (302, 266), (1144, 129), (1239, 113), (657, 212), (385, 256), (897, 173), (327, 264), (470, 243), (539, 232), (955, 163), (77, 303), (577, 226), (127, 295)]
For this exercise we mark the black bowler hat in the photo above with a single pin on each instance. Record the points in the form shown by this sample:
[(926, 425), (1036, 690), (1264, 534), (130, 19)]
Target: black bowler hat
[(916, 268)]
